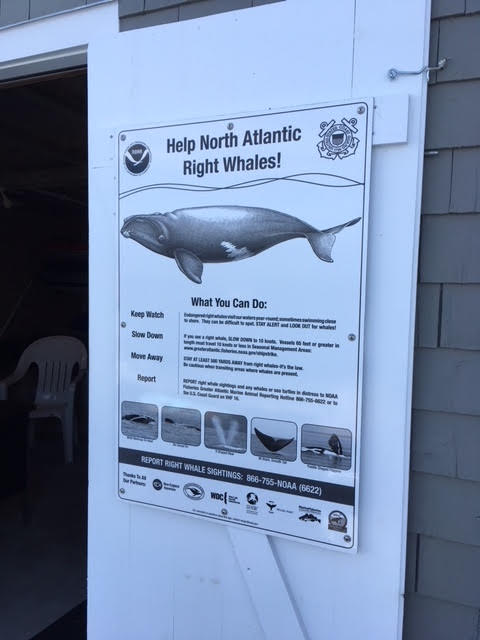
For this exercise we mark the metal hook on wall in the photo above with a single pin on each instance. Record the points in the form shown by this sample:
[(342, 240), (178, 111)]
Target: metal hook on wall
[(394, 73)]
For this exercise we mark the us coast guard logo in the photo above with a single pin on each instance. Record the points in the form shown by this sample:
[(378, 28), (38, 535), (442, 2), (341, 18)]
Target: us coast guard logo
[(337, 139)]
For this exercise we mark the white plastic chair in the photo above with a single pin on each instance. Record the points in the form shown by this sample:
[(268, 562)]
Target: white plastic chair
[(56, 358)]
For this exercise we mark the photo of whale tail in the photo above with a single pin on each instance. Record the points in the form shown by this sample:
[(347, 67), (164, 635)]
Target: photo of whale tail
[(271, 443), (323, 241)]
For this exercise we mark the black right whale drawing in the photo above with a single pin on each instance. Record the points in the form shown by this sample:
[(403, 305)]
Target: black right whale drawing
[(196, 235)]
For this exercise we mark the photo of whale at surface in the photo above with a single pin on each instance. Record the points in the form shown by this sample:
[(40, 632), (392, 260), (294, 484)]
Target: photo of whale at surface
[(326, 447), (139, 420), (181, 425), (197, 235)]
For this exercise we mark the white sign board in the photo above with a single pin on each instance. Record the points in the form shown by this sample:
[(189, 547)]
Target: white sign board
[(242, 247)]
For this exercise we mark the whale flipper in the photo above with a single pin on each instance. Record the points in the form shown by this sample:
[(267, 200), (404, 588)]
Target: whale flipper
[(189, 264), (270, 443), (323, 241), (335, 444)]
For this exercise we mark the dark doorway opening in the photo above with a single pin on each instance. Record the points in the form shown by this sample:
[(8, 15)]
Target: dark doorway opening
[(43, 292)]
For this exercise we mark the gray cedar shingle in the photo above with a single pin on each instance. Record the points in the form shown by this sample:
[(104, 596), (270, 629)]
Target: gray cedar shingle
[(433, 49), (437, 177), (446, 444), (45, 7), (203, 8), (452, 115), (130, 7), (441, 8), (467, 438), (135, 14), (445, 508), (152, 5), (460, 316), (433, 447), (465, 196), (410, 569), (430, 619), (473, 5), (449, 571), (450, 249), (12, 11), (459, 41), (426, 326), (151, 19), (447, 380)]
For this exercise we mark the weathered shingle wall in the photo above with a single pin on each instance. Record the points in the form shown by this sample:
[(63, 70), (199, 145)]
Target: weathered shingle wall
[(443, 560), (135, 14), (14, 11)]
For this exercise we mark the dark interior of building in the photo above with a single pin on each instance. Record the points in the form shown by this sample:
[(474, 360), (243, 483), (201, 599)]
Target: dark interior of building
[(44, 292)]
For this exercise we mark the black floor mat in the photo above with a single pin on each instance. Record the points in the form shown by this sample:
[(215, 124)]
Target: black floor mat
[(73, 625)]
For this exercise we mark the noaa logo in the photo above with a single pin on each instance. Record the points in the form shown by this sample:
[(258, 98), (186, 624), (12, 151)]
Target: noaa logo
[(337, 139), (137, 158), (193, 491)]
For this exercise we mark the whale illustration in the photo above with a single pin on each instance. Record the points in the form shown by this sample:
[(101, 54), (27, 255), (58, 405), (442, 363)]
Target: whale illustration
[(196, 235)]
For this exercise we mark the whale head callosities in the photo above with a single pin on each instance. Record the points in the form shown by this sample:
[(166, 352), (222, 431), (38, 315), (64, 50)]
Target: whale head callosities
[(147, 230)]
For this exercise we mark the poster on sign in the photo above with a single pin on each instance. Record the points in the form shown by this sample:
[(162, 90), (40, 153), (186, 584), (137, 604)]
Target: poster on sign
[(242, 252)]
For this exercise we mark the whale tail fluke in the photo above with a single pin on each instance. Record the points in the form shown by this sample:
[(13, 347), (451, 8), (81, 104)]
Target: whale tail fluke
[(340, 227), (323, 241), (322, 244)]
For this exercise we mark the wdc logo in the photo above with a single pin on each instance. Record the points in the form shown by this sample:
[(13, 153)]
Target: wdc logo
[(214, 495)]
